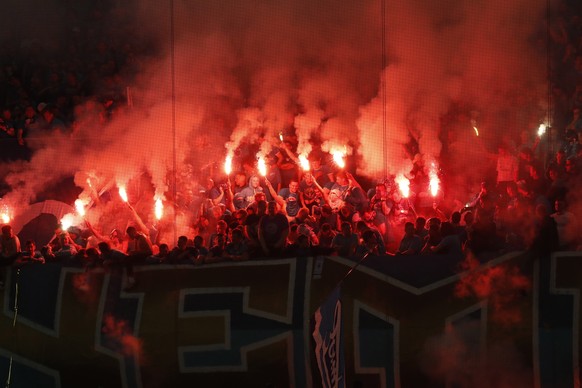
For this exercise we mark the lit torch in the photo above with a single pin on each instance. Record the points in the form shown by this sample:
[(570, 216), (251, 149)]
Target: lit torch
[(159, 209), (262, 166), (434, 181), (542, 130), (403, 185), (5, 217), (281, 136), (338, 158), (123, 194), (304, 162), (228, 165)]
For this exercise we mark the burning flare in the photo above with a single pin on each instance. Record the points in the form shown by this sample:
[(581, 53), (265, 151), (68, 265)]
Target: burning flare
[(434, 181), (123, 194), (338, 158), (403, 185), (159, 209), (476, 131), (304, 162), (542, 129), (228, 165), (262, 166), (80, 206), (5, 218), (67, 221)]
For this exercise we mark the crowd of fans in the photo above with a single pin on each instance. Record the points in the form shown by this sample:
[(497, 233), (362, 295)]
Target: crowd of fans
[(289, 212)]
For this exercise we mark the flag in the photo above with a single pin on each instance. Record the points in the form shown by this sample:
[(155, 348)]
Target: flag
[(329, 347)]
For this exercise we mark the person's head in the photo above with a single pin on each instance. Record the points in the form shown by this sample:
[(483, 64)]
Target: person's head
[(341, 178), (308, 178), (346, 211), (271, 207), (456, 217), (541, 211), (293, 186), (560, 156), (334, 195), (218, 211), (7, 231), (182, 242), (326, 229), (92, 254), (420, 223), (237, 235), (240, 216), (369, 239), (570, 164), (302, 214), (409, 229), (164, 250), (369, 215), (30, 246), (316, 211), (209, 183), (468, 218), (198, 241), (381, 190), (240, 179), (303, 241), (346, 228), (131, 231), (221, 227), (511, 189), (254, 182), (261, 206), (103, 247)]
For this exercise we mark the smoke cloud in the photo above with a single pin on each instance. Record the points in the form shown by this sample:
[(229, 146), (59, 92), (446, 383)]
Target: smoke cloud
[(244, 72)]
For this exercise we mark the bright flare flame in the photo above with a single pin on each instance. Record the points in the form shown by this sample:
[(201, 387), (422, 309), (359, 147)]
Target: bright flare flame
[(159, 209), (338, 158), (80, 206), (67, 221), (5, 218), (262, 166), (123, 194), (434, 181), (403, 185), (281, 136), (228, 165), (476, 131), (304, 162), (542, 130)]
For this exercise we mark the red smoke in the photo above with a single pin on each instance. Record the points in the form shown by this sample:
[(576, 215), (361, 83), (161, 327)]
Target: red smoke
[(502, 286), (118, 334)]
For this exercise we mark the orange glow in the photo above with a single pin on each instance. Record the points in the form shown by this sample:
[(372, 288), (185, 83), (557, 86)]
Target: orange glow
[(123, 194), (159, 209), (228, 165), (403, 185), (262, 166), (304, 162)]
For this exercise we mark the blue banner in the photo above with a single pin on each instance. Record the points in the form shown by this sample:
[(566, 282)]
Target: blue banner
[(329, 346)]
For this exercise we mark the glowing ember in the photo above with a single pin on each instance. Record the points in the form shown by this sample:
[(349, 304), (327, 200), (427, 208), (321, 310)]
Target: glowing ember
[(123, 194), (476, 131), (403, 185), (80, 206), (67, 221), (434, 181), (542, 130), (338, 158), (262, 166), (159, 209), (304, 162), (228, 165)]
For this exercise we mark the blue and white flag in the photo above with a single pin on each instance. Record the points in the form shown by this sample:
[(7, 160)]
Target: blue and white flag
[(329, 346)]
